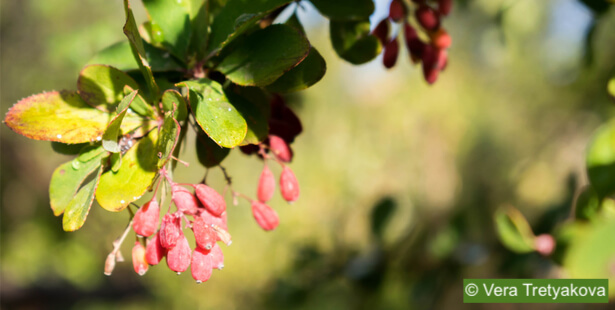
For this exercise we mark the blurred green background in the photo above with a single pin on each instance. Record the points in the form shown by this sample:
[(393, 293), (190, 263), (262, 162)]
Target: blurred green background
[(507, 123)]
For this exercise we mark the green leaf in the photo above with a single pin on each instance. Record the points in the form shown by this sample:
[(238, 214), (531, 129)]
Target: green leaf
[(225, 27), (168, 137), (139, 105), (257, 121), (587, 204), (61, 117), (200, 16), (102, 86), (215, 114), (120, 56), (611, 88), (173, 20), (131, 31), (381, 215), (208, 152), (263, 56), (67, 149), (137, 171), (78, 208), (353, 42), (87, 154), (116, 161), (305, 74), (171, 100), (109, 139), (65, 182), (345, 9), (601, 160), (514, 231)]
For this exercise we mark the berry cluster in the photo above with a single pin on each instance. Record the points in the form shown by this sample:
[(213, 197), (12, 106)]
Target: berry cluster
[(431, 51)]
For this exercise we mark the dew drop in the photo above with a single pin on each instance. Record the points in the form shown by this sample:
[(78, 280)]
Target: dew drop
[(76, 164), (122, 201), (199, 282), (229, 109)]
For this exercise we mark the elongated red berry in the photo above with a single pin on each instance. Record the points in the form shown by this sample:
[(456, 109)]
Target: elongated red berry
[(391, 50), (204, 235), (201, 265), (264, 215), (154, 251), (170, 230), (210, 199), (266, 185), (217, 257), (185, 200), (382, 31), (441, 39), (138, 259), (427, 17), (445, 6), (146, 219), (397, 10), (289, 187), (280, 148), (178, 258), (413, 43), (210, 219)]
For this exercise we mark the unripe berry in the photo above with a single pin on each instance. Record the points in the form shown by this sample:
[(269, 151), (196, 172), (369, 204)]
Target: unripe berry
[(210, 199), (154, 251), (382, 31), (397, 10), (184, 200), (427, 17), (280, 148), (178, 258), (170, 230), (201, 265), (138, 259), (266, 185), (289, 187), (441, 39), (544, 244), (391, 50), (217, 257), (204, 235), (146, 219), (445, 6), (109, 264), (264, 215)]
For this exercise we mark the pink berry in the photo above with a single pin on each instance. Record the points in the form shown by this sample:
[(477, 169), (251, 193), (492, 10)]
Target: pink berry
[(204, 235), (264, 215), (185, 200), (211, 200), (289, 185), (217, 257), (170, 230), (138, 259), (154, 251), (146, 219), (280, 148), (391, 50), (201, 265), (266, 185), (544, 244), (178, 258)]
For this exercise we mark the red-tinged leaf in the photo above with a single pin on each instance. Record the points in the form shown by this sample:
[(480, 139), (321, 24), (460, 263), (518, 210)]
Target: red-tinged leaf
[(289, 186), (201, 265), (265, 216)]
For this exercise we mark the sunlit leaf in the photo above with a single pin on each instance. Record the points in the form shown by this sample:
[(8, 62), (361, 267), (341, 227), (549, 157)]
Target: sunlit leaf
[(173, 101), (102, 86), (215, 114), (173, 20), (250, 110), (345, 9), (109, 139), (120, 56), (61, 117), (353, 42), (200, 13), (601, 160), (513, 230), (79, 207), (137, 171), (139, 105), (611, 88), (66, 180), (304, 75), (263, 56), (167, 139)]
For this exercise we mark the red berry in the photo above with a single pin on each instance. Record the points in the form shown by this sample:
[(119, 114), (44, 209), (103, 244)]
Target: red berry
[(427, 17), (391, 50), (201, 265), (289, 185), (210, 219), (413, 43), (397, 10), (441, 39), (382, 31), (211, 200), (154, 251), (138, 259), (280, 148), (178, 258), (264, 215), (544, 244), (170, 230), (266, 185), (283, 122), (217, 257), (204, 235), (184, 200), (445, 6), (433, 60), (146, 219)]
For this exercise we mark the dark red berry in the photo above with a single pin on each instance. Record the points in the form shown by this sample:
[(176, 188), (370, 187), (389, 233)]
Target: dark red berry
[(391, 50), (441, 39), (266, 185), (289, 186), (146, 219), (264, 215), (413, 43), (445, 6), (397, 10), (427, 17), (382, 31)]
